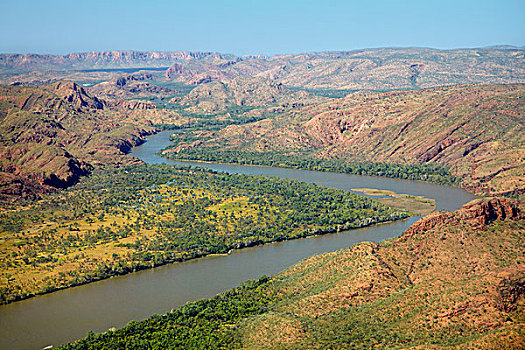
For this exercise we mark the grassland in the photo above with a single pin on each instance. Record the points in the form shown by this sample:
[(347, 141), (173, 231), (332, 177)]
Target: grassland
[(415, 204), (120, 221)]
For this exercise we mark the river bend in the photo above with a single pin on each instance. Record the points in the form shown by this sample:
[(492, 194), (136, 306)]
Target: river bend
[(69, 314)]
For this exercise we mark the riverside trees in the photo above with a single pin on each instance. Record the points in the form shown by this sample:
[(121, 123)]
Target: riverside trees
[(123, 220)]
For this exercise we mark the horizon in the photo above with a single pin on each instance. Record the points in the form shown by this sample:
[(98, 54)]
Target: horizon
[(488, 47), (59, 27)]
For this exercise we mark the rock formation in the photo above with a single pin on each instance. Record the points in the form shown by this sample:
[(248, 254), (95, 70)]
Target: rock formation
[(52, 135)]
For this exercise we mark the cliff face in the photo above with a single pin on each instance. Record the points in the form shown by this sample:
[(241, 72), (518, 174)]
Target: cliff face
[(452, 278), (52, 135)]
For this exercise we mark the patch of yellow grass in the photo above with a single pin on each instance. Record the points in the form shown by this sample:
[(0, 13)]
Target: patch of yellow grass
[(418, 205)]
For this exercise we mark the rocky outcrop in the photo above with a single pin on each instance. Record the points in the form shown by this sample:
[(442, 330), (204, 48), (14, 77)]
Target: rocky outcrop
[(77, 96), (174, 71), (485, 210), (477, 213)]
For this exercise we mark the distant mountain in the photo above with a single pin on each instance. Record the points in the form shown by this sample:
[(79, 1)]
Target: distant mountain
[(105, 59), (505, 47), (374, 69)]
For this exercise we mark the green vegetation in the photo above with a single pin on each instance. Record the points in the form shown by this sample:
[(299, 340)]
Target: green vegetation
[(232, 115), (118, 221), (180, 88), (331, 93), (204, 324), (368, 296), (430, 172)]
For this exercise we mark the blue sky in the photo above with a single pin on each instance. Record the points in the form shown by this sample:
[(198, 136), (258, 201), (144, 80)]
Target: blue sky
[(248, 27)]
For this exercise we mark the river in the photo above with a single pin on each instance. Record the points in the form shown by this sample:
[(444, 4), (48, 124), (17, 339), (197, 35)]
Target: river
[(69, 314)]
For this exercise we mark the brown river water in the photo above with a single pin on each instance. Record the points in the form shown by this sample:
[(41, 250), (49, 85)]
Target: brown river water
[(66, 315)]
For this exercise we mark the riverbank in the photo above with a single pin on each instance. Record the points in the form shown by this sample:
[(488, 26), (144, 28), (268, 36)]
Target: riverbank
[(149, 216), (54, 318)]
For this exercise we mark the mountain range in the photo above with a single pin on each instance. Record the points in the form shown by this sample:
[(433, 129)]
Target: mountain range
[(378, 69), (453, 279)]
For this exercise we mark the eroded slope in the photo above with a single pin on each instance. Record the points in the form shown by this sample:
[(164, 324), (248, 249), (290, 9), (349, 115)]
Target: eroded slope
[(475, 130), (53, 134)]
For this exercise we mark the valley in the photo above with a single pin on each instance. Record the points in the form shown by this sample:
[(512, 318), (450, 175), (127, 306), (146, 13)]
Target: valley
[(374, 145), (130, 296)]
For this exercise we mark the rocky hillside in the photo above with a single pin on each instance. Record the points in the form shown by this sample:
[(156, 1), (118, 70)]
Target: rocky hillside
[(400, 68), (52, 135), (130, 86), (219, 97), (375, 69), (454, 280), (476, 130)]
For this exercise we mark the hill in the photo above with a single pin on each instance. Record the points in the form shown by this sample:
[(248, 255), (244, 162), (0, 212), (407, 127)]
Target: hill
[(474, 130), (52, 135), (246, 94), (130, 86)]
